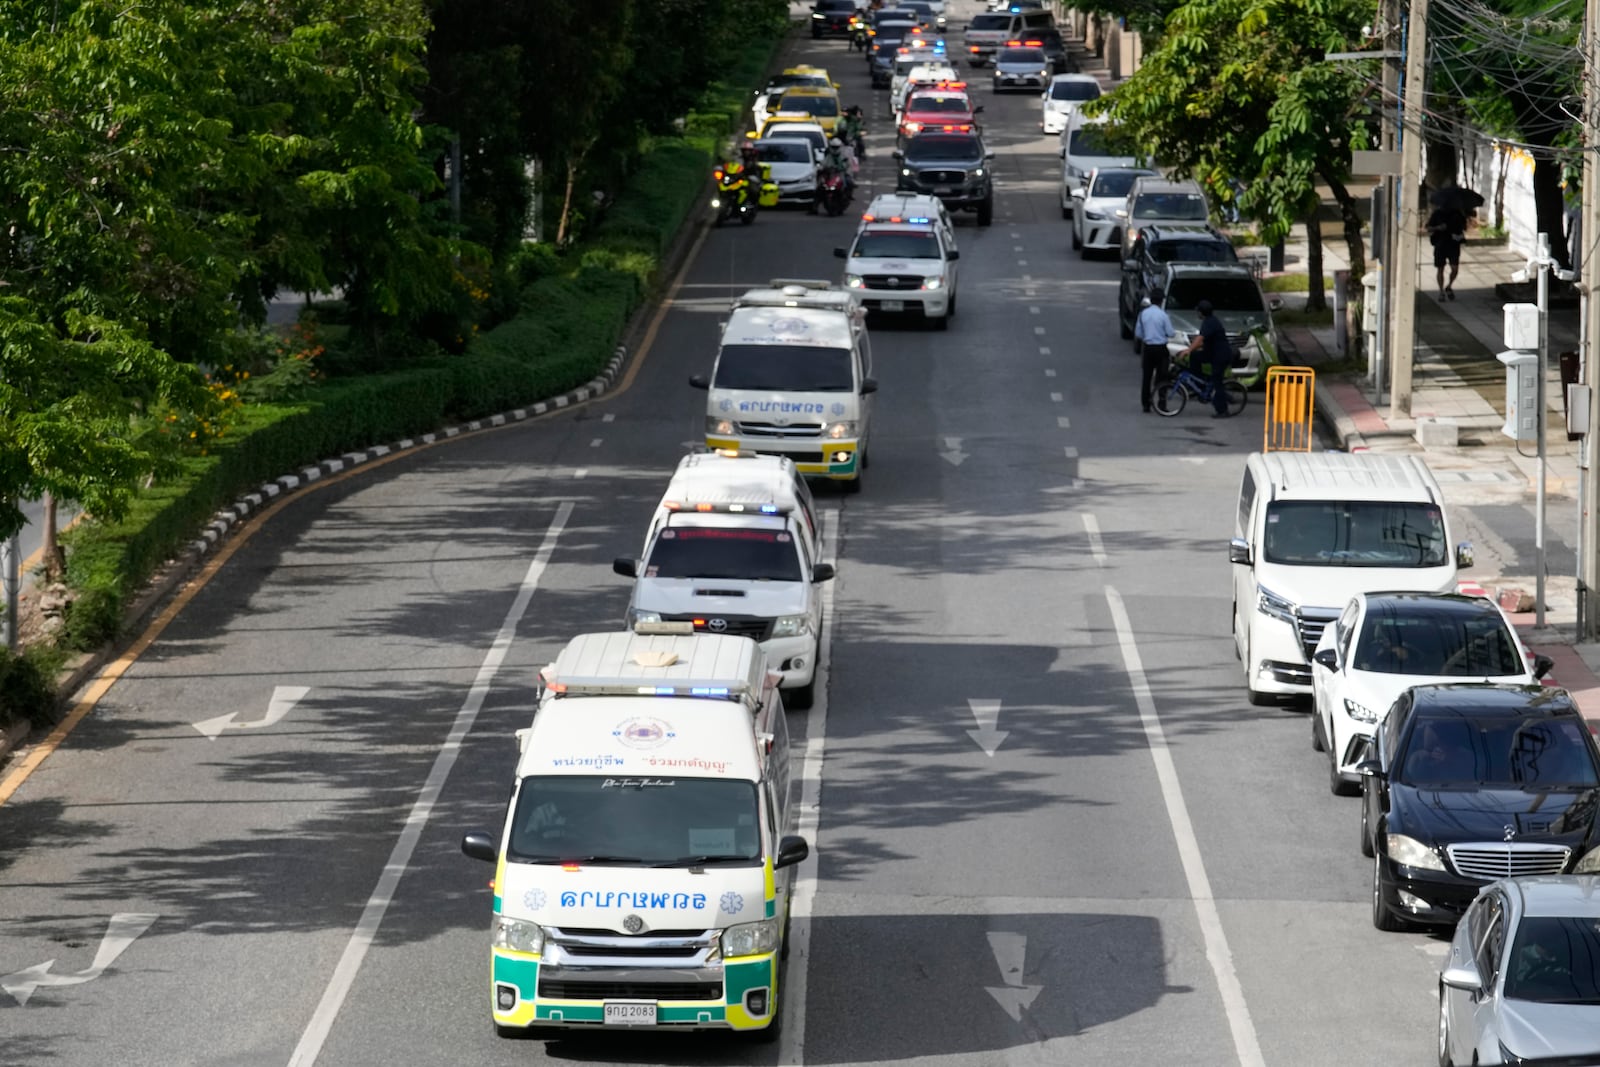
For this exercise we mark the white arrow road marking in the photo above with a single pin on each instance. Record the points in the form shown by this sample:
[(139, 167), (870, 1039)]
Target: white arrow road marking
[(987, 712), (123, 930), (1097, 548), (1010, 954), (284, 697), (953, 451)]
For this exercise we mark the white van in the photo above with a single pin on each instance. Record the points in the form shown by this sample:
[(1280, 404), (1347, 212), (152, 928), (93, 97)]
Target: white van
[(733, 549), (1313, 528), (793, 377), (643, 874), (1083, 148)]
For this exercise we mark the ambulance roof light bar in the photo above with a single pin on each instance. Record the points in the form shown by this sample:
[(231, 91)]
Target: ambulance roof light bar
[(724, 507)]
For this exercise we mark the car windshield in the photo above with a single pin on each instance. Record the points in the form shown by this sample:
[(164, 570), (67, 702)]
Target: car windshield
[(1185, 206), (1022, 55), (723, 552), (826, 106), (1090, 141), (926, 104), (1535, 752), (1443, 644), (837, 5), (785, 368), (896, 246), (944, 147), (1225, 294), (783, 152), (635, 820), (1114, 184), (1344, 533), (990, 22), (1193, 251), (1555, 959), (1075, 90)]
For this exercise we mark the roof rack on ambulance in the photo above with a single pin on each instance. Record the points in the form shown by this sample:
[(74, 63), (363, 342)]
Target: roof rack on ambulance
[(804, 283), (662, 659)]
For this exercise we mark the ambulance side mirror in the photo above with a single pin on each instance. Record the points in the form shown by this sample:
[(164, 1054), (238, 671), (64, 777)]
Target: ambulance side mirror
[(625, 566), (480, 846), (869, 385), (822, 572), (700, 381), (791, 850)]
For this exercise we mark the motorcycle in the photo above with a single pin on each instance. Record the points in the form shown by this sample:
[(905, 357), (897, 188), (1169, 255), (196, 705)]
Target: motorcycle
[(858, 35), (834, 191), (734, 197)]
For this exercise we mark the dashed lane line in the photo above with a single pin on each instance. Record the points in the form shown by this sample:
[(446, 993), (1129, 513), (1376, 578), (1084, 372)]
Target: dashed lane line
[(1097, 548)]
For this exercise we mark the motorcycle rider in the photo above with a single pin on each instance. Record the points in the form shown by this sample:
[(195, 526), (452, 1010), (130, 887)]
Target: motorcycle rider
[(839, 157), (852, 128)]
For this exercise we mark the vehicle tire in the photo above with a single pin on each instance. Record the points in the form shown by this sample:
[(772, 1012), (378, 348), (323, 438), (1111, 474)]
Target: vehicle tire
[(1236, 394), (986, 211), (1169, 401), (1444, 1032), (1077, 242), (1066, 213), (747, 218), (813, 206), (1317, 743), (942, 322), (952, 312), (852, 487), (1366, 832), (1122, 323), (1336, 783), (801, 697), (1382, 918)]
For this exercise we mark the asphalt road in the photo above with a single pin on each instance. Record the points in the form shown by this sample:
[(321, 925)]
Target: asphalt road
[(1050, 830)]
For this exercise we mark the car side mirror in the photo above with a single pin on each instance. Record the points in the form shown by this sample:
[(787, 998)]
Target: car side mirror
[(1328, 657), (1275, 304), (869, 385), (1464, 554), (1370, 768), (1542, 665), (1130, 265), (1062, 152), (626, 566), (1239, 551), (989, 154), (1077, 192), (1463, 975), (480, 846), (978, 110), (952, 255), (822, 572), (791, 850), (841, 253), (699, 381), (897, 154)]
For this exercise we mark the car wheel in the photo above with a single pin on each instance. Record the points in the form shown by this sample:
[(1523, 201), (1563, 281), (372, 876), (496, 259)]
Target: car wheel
[(1077, 242), (1336, 782), (952, 312), (852, 487), (1317, 743), (801, 697), (942, 322), (1366, 831), (1066, 213), (1123, 326), (1444, 1031), (1382, 917), (986, 210)]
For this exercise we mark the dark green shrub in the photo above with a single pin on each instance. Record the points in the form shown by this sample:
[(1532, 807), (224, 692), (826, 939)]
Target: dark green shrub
[(27, 691)]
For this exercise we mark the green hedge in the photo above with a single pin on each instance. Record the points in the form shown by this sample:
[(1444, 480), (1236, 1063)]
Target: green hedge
[(574, 309), (26, 692)]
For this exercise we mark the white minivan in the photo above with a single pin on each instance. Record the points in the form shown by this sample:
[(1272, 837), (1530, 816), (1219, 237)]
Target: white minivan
[(733, 548), (1311, 530), (793, 377), (1083, 148)]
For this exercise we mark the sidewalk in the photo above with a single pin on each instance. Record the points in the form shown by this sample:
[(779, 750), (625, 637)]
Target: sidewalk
[(1456, 379)]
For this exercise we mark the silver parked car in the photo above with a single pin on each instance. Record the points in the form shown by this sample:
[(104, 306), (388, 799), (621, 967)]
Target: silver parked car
[(1522, 981)]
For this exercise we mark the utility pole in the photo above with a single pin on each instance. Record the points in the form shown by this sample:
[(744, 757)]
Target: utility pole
[(1402, 318), (1389, 27), (1589, 347), (10, 588)]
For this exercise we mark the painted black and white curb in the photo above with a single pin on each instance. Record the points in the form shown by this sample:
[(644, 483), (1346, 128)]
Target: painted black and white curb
[(251, 502)]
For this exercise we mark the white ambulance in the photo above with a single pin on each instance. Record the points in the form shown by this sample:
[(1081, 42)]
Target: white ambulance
[(793, 377), (643, 875), (733, 548)]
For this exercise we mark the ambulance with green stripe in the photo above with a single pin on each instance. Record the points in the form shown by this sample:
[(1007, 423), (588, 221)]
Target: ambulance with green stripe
[(643, 875)]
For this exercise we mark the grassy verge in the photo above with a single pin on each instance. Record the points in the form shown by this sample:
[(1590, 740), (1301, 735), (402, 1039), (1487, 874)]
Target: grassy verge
[(1294, 283), (573, 309), (1302, 317)]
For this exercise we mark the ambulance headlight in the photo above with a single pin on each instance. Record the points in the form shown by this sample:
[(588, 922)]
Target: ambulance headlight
[(840, 430), (791, 625), (852, 281), (932, 283), (718, 426), (750, 939), (635, 616), (518, 935)]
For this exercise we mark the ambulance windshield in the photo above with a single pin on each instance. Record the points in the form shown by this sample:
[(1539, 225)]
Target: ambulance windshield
[(644, 821), (723, 552), (785, 368)]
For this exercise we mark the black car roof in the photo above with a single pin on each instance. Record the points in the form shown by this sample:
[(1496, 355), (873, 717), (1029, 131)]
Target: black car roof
[(1450, 605), (1480, 700), (1188, 231)]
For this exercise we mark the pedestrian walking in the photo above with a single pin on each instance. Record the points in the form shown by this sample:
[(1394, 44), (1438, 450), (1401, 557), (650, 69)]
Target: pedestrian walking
[(1152, 328), (1447, 229), (1218, 354)]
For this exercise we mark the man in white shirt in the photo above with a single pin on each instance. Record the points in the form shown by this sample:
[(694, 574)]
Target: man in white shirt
[(1152, 328)]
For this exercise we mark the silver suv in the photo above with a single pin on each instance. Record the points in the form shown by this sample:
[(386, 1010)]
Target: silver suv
[(1236, 299), (1161, 200)]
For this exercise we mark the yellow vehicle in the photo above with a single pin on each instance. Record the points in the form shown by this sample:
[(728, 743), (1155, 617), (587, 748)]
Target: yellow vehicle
[(793, 124), (821, 105), (808, 75)]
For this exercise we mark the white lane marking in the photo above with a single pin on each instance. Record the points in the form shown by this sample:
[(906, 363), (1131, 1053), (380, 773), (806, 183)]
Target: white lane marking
[(1097, 548), (1030, 293), (282, 701), (609, 418), (1071, 452), (1218, 955), (1016, 236), (1038, 331), (1063, 422), (792, 1042), (366, 931), (581, 472), (1022, 263), (1033, 309), (1048, 373), (1016, 248), (1044, 350), (1027, 277), (596, 442), (1055, 398), (123, 930), (988, 735)]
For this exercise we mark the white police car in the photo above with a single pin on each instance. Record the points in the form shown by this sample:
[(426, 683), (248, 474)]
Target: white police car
[(903, 264)]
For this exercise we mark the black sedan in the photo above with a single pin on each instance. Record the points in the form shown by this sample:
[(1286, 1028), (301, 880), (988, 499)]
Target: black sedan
[(1472, 783)]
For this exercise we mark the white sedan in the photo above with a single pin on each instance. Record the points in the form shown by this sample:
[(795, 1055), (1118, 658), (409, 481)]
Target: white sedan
[(1383, 644), (1062, 96)]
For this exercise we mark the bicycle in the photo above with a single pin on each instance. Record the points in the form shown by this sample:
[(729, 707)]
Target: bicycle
[(1172, 395)]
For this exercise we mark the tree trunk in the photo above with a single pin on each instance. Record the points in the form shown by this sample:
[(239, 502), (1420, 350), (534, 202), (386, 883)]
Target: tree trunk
[(55, 560), (1316, 295), (1550, 206), (1354, 243), (563, 228)]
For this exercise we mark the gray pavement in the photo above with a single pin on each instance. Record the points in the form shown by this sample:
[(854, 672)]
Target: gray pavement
[(1146, 870)]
